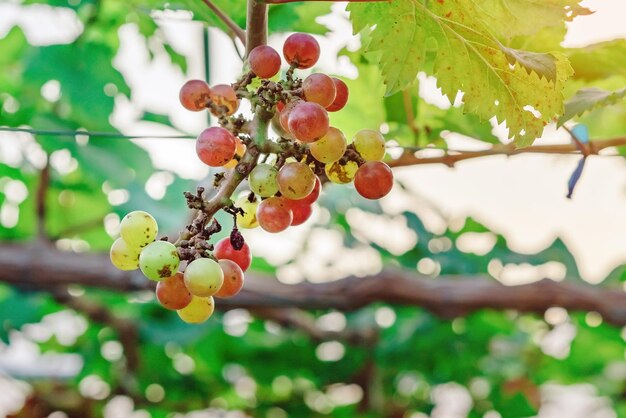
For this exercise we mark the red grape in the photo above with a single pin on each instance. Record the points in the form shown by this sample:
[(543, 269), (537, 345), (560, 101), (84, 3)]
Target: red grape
[(224, 250), (312, 197), (301, 50), (264, 61), (295, 180), (274, 214), (285, 112), (278, 127), (301, 211), (216, 146), (233, 279), (224, 96), (308, 121), (341, 98), (319, 88), (172, 292), (373, 180), (194, 95)]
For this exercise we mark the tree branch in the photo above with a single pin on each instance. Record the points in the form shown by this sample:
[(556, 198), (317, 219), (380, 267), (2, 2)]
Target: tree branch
[(234, 27), (38, 268)]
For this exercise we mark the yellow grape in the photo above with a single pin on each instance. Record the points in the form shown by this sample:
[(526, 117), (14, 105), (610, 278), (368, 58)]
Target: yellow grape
[(248, 220), (330, 147), (123, 256), (203, 277), (341, 173), (239, 150), (138, 228), (199, 310), (370, 144)]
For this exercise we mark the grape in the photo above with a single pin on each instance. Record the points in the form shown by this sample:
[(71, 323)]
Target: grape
[(194, 95), (330, 147), (301, 212), (341, 173), (203, 277), (274, 214), (233, 279), (278, 127), (284, 114), (224, 250), (370, 144), (373, 180), (264, 61), (123, 256), (308, 121), (172, 292), (159, 260), (319, 88), (295, 180), (248, 219), (262, 180), (312, 197), (341, 98), (240, 149), (138, 229), (224, 95), (301, 50), (216, 146), (199, 310)]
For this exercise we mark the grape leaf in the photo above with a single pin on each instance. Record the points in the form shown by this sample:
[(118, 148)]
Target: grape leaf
[(496, 81), (589, 99)]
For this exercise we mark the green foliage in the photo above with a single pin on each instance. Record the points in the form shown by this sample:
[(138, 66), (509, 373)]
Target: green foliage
[(588, 99)]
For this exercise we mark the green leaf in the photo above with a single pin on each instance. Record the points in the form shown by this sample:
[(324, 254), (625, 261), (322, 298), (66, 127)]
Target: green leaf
[(468, 59), (589, 99), (599, 61)]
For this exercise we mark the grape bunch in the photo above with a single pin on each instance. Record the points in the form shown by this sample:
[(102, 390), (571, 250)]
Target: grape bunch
[(284, 175)]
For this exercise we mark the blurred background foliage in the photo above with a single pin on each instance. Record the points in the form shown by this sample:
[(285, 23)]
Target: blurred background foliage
[(489, 364)]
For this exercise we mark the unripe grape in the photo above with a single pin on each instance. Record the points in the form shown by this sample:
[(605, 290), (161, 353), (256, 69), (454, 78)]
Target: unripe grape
[(123, 256), (240, 149), (301, 212), (312, 197), (199, 310), (138, 229), (203, 277), (225, 251), (341, 173), (319, 88), (224, 96), (248, 219), (159, 260), (264, 61), (373, 180), (216, 146), (308, 121), (330, 147), (262, 180), (194, 95), (295, 180), (274, 214), (172, 292), (370, 144), (233, 279), (301, 50), (341, 98)]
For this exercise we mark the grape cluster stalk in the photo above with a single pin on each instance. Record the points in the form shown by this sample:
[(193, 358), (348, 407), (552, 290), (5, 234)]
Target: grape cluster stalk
[(284, 175)]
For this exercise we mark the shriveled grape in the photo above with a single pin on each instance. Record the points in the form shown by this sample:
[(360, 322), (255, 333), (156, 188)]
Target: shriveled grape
[(330, 147), (370, 144), (263, 181), (203, 277), (123, 256), (373, 180), (138, 228), (295, 180), (224, 250), (341, 173), (274, 214), (216, 146), (172, 292), (159, 260), (198, 311), (233, 279)]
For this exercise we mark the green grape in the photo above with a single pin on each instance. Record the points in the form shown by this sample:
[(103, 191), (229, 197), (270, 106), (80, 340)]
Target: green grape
[(330, 147), (123, 256), (262, 180), (248, 220), (341, 173), (295, 180), (203, 277), (199, 310), (370, 144), (159, 260), (138, 228)]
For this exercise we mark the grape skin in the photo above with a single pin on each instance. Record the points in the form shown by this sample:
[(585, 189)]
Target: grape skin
[(264, 61), (123, 256), (224, 250), (274, 214), (330, 147), (341, 98), (138, 228), (341, 173), (319, 88), (225, 97), (194, 95), (370, 144), (295, 180), (308, 121), (301, 50), (263, 181), (248, 220), (198, 311), (373, 180), (159, 260), (233, 279), (172, 293), (203, 277), (216, 146)]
